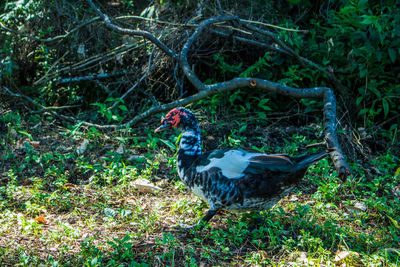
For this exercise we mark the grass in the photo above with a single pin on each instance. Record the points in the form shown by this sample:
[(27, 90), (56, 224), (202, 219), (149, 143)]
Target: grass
[(61, 208)]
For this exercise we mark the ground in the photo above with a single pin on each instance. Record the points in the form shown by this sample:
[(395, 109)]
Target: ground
[(69, 195)]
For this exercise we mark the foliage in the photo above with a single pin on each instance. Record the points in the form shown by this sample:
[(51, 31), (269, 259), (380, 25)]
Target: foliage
[(68, 193)]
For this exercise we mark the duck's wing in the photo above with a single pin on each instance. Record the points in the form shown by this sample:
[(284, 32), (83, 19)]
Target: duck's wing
[(260, 164), (236, 163)]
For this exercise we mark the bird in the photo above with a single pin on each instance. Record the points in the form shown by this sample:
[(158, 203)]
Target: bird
[(234, 179)]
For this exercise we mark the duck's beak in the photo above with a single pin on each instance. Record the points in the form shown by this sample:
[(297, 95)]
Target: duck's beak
[(163, 127)]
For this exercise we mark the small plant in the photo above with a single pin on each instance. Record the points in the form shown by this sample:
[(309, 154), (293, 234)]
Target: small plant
[(110, 115)]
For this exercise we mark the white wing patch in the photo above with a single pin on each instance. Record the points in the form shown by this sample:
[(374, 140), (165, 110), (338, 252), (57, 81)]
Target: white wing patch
[(232, 164)]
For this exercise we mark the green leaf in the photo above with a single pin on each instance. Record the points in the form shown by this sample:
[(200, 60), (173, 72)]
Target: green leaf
[(100, 105), (369, 19), (362, 3), (385, 105), (169, 144), (363, 111), (392, 54), (123, 107), (263, 104), (395, 223), (262, 115), (373, 89), (359, 99), (26, 134)]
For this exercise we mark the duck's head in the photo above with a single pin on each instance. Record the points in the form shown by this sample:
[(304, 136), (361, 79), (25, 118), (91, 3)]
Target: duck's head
[(180, 118)]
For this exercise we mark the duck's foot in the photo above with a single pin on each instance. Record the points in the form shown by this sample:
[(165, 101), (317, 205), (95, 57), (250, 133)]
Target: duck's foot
[(203, 221)]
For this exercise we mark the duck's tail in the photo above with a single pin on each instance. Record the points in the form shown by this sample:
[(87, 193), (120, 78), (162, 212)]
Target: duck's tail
[(305, 161)]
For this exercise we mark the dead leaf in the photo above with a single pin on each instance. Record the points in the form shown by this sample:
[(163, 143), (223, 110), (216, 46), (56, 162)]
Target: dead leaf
[(130, 201), (27, 182), (144, 186), (121, 149), (70, 185), (359, 205), (303, 258), (82, 147), (356, 208), (41, 220), (253, 82), (34, 144), (342, 255)]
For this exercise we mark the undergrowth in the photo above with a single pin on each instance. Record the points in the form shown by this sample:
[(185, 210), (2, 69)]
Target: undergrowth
[(83, 208)]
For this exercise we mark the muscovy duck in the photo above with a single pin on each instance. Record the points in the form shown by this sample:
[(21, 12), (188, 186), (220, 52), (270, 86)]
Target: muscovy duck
[(233, 178)]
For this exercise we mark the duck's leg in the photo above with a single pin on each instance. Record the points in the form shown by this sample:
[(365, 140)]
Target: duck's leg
[(210, 213)]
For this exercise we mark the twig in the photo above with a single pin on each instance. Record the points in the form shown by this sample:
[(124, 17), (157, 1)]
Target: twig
[(144, 34), (251, 42), (52, 67), (63, 117), (157, 21), (316, 144), (137, 83), (273, 26), (95, 59), (48, 40), (180, 84), (62, 107), (221, 12), (91, 77), (379, 126), (329, 74), (192, 77)]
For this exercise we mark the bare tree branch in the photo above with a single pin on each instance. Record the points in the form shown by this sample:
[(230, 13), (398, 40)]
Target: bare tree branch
[(324, 93), (251, 42), (303, 60), (192, 77), (273, 26)]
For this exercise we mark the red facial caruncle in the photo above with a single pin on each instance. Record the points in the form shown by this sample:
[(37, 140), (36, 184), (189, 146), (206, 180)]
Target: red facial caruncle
[(172, 119), (175, 115)]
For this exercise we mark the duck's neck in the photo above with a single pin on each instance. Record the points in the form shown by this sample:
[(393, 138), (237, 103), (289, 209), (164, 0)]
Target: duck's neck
[(189, 148)]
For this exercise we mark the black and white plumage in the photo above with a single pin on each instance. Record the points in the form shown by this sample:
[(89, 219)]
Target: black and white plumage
[(234, 178)]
